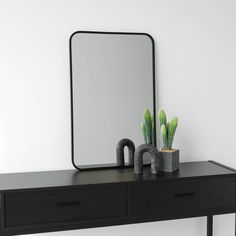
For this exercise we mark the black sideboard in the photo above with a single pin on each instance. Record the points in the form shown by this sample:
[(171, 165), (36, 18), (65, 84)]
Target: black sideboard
[(47, 201)]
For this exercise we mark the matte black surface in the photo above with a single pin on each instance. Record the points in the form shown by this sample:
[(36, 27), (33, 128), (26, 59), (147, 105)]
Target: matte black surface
[(70, 178), (61, 206), (210, 225), (65, 200), (198, 196), (109, 166)]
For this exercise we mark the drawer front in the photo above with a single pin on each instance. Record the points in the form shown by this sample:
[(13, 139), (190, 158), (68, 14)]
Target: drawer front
[(183, 198), (79, 204)]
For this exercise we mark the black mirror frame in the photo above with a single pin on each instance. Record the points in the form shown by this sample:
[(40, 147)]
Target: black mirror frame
[(107, 166)]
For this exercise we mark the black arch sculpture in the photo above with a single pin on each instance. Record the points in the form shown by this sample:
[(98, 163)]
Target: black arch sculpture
[(120, 157), (138, 159)]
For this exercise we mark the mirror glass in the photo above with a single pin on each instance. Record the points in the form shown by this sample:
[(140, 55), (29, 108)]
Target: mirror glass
[(112, 82)]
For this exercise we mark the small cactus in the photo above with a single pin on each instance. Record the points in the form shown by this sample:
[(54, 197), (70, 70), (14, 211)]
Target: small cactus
[(153, 131), (171, 131), (167, 130), (147, 127), (164, 136), (143, 127), (162, 117)]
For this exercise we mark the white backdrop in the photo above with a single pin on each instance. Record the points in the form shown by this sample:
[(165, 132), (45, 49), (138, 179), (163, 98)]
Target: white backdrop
[(196, 80)]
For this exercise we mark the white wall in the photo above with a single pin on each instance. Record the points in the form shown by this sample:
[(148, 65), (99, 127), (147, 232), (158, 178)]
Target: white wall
[(196, 80)]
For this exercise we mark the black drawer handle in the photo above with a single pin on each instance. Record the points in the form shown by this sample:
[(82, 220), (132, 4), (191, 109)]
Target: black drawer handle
[(64, 204), (183, 195)]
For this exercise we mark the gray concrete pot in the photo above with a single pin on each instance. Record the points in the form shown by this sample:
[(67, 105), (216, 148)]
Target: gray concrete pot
[(169, 160)]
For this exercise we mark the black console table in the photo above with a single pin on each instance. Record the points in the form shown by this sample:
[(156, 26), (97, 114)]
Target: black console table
[(63, 200)]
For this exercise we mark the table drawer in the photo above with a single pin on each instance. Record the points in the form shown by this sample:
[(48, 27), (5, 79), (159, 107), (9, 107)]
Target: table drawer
[(48, 206), (182, 198)]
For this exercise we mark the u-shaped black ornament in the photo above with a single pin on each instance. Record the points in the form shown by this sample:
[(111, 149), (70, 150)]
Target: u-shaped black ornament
[(120, 156), (138, 159)]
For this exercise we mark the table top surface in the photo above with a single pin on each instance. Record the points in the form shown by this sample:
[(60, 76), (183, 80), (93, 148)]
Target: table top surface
[(68, 178)]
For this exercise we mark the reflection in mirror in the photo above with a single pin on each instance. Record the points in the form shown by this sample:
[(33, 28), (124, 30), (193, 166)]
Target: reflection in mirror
[(112, 79)]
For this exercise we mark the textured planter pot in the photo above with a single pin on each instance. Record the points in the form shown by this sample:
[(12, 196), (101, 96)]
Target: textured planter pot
[(169, 160)]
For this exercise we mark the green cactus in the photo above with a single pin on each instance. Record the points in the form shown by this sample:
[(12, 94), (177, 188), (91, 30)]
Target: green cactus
[(167, 130), (147, 127), (164, 136), (162, 117), (153, 133), (171, 131), (143, 127)]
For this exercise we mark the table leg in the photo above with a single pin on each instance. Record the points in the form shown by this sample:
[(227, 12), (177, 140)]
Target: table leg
[(210, 225)]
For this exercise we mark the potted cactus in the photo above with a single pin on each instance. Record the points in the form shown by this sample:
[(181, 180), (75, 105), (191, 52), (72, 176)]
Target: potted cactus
[(169, 156)]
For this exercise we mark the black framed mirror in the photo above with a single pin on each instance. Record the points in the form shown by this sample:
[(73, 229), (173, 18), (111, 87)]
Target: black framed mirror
[(112, 77)]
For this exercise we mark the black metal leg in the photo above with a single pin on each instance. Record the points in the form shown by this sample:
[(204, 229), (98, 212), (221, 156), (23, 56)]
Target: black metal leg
[(210, 225)]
